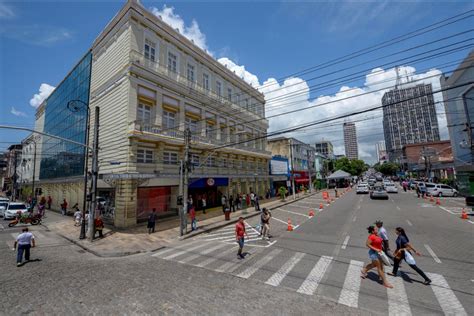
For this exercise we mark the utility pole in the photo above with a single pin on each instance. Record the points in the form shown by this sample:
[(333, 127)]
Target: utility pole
[(15, 185), (308, 152), (187, 139), (34, 170), (292, 170), (95, 174), (181, 218)]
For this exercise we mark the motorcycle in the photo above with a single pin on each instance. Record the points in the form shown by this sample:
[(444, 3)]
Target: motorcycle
[(29, 219)]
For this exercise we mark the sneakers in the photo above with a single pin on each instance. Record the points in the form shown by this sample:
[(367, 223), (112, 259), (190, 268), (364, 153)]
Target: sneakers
[(18, 264)]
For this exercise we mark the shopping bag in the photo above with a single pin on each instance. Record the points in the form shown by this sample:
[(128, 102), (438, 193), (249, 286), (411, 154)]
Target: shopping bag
[(384, 259), (409, 258)]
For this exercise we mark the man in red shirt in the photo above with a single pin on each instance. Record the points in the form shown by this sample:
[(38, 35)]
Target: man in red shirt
[(239, 236)]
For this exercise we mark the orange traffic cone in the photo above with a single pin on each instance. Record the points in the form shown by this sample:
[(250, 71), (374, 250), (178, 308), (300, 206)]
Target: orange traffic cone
[(311, 213), (463, 214), (438, 202), (320, 206), (290, 227)]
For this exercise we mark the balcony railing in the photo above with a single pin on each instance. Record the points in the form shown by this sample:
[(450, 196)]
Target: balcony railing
[(138, 58)]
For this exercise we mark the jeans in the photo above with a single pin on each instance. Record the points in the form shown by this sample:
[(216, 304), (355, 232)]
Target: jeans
[(21, 249), (241, 245), (396, 264)]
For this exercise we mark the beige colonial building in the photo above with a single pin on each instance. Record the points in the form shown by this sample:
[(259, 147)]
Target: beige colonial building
[(151, 83)]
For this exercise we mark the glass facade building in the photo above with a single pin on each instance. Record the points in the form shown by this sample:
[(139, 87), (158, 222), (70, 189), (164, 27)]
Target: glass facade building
[(59, 158)]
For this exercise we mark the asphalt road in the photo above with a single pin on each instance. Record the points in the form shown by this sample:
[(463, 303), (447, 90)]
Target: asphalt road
[(313, 269)]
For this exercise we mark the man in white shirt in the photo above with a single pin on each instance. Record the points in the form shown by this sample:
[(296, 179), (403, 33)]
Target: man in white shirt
[(25, 241), (383, 234)]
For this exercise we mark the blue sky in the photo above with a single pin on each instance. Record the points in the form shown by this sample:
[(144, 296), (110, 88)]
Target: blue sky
[(40, 42)]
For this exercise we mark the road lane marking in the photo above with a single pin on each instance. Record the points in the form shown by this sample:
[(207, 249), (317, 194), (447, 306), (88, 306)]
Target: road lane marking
[(182, 252), (205, 252), (166, 250), (257, 265), (313, 279), (219, 256), (354, 219), (409, 223), (344, 244), (435, 257), (280, 209), (397, 297), (445, 296), (350, 290), (443, 208), (471, 222), (398, 208), (279, 220), (276, 278)]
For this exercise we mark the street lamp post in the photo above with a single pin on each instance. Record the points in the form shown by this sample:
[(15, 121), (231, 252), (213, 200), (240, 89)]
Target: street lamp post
[(76, 106)]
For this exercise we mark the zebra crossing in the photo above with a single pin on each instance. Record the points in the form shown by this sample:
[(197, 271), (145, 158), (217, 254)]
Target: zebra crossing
[(43, 239), (308, 274)]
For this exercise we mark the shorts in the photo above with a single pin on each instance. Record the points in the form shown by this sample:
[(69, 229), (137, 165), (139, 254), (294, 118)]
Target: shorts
[(373, 255)]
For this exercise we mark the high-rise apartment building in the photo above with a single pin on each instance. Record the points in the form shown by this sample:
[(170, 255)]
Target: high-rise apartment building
[(151, 83), (381, 151), (409, 117), (350, 140), (325, 148)]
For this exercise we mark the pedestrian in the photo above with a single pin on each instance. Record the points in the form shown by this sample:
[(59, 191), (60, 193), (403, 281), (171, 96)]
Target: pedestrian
[(223, 202), (77, 217), (64, 207), (151, 221), (252, 198), (190, 202), (404, 185), (256, 203), (99, 226), (238, 201), (383, 234), (239, 236), (418, 191), (403, 253), (192, 215), (25, 241), (374, 243), (204, 204), (231, 203), (50, 200), (247, 200), (265, 222), (41, 207)]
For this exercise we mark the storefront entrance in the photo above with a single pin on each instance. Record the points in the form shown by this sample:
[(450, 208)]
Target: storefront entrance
[(211, 188)]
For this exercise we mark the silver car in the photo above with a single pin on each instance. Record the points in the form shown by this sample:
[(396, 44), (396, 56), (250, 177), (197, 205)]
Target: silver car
[(379, 193), (391, 188), (441, 190)]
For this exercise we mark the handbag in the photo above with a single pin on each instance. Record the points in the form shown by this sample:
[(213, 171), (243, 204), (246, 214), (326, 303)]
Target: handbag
[(384, 258), (409, 258)]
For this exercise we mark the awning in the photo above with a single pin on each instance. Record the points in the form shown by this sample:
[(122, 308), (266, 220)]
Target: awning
[(301, 180)]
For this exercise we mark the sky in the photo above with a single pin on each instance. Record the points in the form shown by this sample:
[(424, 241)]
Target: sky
[(268, 44)]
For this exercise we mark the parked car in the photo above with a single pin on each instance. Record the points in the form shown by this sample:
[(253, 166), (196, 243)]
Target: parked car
[(378, 193), (13, 208), (362, 189), (390, 187), (441, 190), (3, 207)]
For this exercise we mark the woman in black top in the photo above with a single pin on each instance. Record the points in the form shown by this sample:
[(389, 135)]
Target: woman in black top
[(403, 245)]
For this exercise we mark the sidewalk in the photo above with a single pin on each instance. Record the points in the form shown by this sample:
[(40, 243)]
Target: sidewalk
[(134, 240)]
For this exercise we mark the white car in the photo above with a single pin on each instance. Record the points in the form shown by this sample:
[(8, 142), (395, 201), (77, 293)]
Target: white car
[(362, 189), (441, 190), (13, 209), (3, 207), (391, 188)]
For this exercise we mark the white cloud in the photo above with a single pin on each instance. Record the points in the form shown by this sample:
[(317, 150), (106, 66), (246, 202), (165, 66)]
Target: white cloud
[(240, 71), (41, 35), (6, 11), (44, 91), (191, 32), (17, 113)]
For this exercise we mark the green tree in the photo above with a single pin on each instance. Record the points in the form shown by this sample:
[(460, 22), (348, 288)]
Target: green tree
[(387, 168), (282, 191), (355, 167)]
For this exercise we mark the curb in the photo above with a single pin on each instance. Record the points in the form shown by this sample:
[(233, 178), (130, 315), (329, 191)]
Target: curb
[(232, 221)]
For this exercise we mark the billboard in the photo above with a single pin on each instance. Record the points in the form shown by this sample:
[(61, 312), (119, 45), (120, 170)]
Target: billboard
[(278, 167)]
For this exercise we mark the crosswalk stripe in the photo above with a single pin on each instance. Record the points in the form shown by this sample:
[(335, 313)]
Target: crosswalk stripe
[(257, 265), (166, 250), (162, 252), (205, 252), (445, 296), (276, 278), (350, 290), (397, 297), (435, 257), (296, 213), (219, 256), (188, 250), (315, 276)]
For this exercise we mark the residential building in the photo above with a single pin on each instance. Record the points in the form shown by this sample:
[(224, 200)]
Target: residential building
[(459, 106), (303, 157), (409, 117), (350, 140), (381, 151), (430, 160), (325, 148), (150, 84)]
